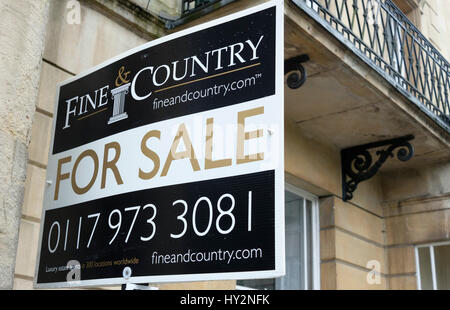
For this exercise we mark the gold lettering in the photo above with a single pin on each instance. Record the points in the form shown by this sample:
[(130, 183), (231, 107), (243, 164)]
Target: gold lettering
[(75, 187), (150, 154), (123, 78), (209, 163), (111, 164), (188, 153), (242, 136), (60, 176)]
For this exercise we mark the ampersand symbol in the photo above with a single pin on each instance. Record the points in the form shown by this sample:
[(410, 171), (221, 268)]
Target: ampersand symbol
[(123, 77)]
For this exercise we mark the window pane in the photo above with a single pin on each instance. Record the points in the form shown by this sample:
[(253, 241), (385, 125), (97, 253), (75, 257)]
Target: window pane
[(442, 264), (426, 280), (309, 247), (299, 248), (294, 278)]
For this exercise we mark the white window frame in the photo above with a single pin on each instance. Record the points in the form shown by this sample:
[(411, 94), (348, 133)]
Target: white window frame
[(315, 239), (432, 261)]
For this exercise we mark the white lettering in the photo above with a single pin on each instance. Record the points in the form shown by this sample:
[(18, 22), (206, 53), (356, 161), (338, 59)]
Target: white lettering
[(69, 111), (254, 48), (133, 85), (103, 95)]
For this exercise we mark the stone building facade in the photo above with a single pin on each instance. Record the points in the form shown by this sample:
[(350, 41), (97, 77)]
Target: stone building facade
[(395, 231)]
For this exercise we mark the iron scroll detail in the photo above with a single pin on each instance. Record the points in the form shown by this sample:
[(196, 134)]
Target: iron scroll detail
[(359, 165), (297, 73)]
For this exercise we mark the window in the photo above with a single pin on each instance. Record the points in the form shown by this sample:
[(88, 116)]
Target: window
[(433, 266), (302, 245)]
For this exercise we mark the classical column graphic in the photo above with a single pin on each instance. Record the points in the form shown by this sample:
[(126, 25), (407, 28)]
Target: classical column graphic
[(119, 94)]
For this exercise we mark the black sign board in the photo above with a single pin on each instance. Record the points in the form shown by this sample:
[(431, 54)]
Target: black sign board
[(166, 162)]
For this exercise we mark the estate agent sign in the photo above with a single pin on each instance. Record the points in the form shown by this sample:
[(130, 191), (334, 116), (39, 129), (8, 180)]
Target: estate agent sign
[(166, 162)]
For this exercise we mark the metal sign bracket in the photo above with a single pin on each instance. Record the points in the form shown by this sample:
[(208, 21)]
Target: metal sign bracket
[(357, 162), (297, 73)]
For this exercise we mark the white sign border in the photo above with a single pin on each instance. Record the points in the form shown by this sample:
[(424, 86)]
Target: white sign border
[(279, 172)]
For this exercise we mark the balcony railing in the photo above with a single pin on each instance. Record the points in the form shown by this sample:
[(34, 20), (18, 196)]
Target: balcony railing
[(382, 36)]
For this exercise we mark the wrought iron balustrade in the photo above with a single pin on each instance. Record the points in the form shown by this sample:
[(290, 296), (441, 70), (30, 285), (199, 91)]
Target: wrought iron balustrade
[(381, 35)]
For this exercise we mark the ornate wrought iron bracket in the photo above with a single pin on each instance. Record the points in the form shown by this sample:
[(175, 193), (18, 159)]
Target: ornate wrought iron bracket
[(297, 73), (357, 162)]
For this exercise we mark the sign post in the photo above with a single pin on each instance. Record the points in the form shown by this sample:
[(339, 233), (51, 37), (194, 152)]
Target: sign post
[(166, 162)]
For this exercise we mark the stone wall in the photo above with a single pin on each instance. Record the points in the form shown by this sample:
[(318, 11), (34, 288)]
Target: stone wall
[(351, 233), (69, 49), (417, 212), (435, 24), (22, 29)]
